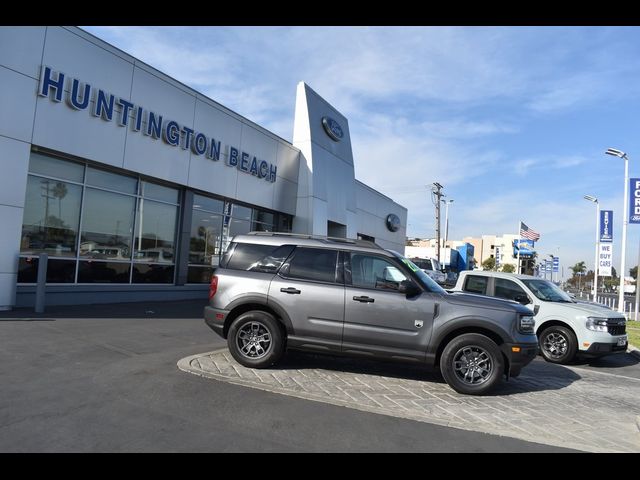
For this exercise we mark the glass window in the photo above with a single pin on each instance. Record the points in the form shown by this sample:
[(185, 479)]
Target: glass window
[(58, 271), (107, 223), (199, 274), (51, 216), (210, 204), (55, 167), (260, 216), (93, 271), (476, 284), (272, 262), (206, 236), (155, 232), (152, 273), (507, 289), (245, 255), (112, 181), (240, 212), (284, 223), (158, 192), (370, 271), (313, 264)]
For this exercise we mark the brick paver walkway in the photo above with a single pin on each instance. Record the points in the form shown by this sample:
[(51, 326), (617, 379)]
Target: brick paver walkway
[(551, 404)]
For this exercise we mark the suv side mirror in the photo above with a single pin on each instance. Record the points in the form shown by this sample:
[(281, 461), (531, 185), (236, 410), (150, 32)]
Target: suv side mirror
[(409, 288), (522, 299)]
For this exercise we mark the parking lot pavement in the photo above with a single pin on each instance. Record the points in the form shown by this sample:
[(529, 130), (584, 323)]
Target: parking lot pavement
[(568, 406)]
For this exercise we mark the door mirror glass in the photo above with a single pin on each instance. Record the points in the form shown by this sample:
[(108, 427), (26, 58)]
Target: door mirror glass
[(522, 299), (409, 288)]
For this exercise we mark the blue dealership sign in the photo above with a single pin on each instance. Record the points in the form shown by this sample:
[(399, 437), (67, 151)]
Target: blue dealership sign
[(556, 264), (606, 226), (634, 200), (525, 246)]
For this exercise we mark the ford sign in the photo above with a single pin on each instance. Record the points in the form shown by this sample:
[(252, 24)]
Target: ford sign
[(333, 129), (393, 222)]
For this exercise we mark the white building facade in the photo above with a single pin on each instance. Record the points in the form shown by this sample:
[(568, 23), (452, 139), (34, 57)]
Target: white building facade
[(133, 183)]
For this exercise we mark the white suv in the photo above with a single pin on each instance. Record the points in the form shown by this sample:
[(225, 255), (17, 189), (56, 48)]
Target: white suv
[(564, 327)]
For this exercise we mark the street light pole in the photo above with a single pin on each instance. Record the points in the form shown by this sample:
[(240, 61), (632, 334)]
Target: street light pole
[(625, 221), (593, 199)]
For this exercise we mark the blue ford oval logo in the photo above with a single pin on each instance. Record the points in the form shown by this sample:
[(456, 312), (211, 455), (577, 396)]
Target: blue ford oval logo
[(393, 222), (333, 129)]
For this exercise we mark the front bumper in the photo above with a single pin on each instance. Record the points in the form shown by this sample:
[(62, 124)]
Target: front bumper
[(599, 349), (519, 359), (215, 318)]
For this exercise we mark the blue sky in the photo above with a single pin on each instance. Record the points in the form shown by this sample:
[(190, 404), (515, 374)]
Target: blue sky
[(512, 121)]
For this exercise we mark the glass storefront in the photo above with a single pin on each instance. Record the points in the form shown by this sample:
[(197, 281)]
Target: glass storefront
[(98, 226), (112, 228)]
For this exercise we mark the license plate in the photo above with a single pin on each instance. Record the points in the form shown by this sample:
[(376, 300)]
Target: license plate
[(622, 341)]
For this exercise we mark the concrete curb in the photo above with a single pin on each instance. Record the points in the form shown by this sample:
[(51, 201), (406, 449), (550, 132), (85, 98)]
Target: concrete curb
[(633, 351)]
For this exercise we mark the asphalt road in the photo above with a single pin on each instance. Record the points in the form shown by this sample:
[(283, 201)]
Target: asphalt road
[(105, 384)]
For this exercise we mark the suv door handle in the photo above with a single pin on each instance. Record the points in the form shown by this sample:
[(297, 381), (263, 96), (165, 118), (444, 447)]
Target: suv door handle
[(364, 299), (290, 290)]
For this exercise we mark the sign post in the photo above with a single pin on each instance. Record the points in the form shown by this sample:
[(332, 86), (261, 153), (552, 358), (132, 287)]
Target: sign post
[(634, 217)]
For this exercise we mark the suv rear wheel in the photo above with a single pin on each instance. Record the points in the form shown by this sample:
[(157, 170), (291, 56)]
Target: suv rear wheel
[(256, 339), (558, 344), (472, 364)]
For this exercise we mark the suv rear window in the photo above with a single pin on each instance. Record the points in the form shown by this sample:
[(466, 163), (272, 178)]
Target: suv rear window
[(316, 264), (255, 257)]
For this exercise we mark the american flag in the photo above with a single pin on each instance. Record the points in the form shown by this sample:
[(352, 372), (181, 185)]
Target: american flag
[(526, 232)]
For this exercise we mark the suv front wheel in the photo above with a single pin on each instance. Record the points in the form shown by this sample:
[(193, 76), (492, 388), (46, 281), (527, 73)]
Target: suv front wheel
[(472, 364), (255, 339)]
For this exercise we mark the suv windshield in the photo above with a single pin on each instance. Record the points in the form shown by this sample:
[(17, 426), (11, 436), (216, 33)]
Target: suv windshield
[(426, 280), (547, 291)]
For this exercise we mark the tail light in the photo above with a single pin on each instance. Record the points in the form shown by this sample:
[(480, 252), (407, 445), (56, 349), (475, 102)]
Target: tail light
[(213, 286)]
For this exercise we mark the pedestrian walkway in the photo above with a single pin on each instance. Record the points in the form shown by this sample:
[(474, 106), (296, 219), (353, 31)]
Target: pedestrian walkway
[(551, 404)]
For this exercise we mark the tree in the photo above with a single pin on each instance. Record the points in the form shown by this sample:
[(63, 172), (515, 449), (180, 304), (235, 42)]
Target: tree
[(508, 268), (489, 264), (579, 268), (634, 272)]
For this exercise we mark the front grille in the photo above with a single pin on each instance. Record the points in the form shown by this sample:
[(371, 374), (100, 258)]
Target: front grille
[(614, 329)]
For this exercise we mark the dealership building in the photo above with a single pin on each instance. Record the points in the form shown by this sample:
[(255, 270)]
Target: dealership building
[(133, 184)]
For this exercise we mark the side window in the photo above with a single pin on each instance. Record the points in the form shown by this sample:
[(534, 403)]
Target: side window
[(507, 289), (317, 264), (476, 284), (245, 256), (369, 271)]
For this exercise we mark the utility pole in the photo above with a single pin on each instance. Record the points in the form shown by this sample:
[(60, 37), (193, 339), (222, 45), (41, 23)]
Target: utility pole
[(436, 196)]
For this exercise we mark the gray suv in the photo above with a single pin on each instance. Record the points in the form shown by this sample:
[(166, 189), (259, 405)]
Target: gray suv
[(275, 291)]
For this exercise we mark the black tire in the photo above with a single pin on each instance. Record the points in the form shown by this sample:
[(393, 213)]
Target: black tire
[(558, 344), (256, 339), (472, 364)]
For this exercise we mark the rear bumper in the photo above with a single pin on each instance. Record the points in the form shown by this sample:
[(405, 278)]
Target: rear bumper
[(215, 319), (519, 359)]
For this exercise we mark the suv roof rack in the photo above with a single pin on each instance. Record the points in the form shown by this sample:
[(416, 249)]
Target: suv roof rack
[(320, 238)]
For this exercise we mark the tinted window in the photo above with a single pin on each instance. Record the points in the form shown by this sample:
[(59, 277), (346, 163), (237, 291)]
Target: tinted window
[(369, 271), (313, 264), (507, 289), (475, 284), (272, 262), (245, 255)]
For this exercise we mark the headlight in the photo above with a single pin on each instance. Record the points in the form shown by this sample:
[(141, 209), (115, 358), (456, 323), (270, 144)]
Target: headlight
[(526, 324), (597, 324)]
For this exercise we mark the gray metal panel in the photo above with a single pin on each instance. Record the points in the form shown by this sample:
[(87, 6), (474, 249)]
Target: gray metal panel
[(18, 100), (288, 162), (77, 132), (153, 156), (7, 290), (21, 49), (10, 238), (14, 156), (284, 196), (76, 57)]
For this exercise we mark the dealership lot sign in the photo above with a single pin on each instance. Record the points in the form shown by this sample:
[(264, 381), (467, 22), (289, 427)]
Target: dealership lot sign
[(605, 259)]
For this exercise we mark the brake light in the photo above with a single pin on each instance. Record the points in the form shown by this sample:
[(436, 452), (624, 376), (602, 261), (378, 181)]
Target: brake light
[(213, 286)]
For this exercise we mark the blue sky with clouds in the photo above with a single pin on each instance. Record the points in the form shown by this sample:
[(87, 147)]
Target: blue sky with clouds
[(513, 121)]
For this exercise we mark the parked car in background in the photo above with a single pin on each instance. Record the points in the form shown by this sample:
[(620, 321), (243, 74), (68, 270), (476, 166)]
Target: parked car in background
[(431, 267), (276, 291), (565, 328)]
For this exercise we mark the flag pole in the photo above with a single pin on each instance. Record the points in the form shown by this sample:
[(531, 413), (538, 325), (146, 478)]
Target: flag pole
[(519, 225)]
